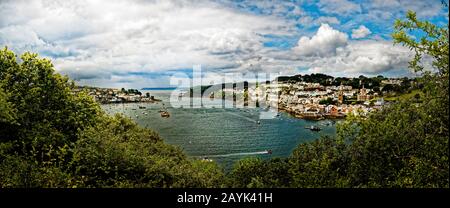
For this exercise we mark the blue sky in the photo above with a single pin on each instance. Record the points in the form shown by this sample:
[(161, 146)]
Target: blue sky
[(142, 43)]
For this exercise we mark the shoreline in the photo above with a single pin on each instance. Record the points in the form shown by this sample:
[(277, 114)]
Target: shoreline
[(124, 102)]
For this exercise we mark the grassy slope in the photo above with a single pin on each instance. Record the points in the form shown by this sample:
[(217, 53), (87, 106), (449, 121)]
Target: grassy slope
[(405, 96)]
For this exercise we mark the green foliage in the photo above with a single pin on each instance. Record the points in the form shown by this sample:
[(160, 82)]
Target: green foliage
[(392, 88), (257, 173), (7, 111), (134, 157), (244, 171), (131, 91), (322, 163), (323, 79), (434, 43), (327, 101), (326, 80), (53, 137), (403, 145), (43, 101)]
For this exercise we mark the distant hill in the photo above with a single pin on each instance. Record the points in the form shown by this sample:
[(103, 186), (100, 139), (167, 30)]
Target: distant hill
[(159, 88)]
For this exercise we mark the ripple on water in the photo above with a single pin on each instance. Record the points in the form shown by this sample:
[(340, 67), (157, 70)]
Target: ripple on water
[(225, 135)]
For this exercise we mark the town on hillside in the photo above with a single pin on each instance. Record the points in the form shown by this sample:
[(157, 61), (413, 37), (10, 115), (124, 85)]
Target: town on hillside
[(319, 96), (111, 95)]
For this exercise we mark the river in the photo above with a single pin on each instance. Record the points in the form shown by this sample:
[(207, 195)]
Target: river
[(224, 135)]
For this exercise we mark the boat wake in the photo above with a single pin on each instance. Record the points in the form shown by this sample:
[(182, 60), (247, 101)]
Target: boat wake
[(237, 154)]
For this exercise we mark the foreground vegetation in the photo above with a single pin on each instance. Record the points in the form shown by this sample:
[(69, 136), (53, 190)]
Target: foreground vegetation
[(51, 137), (405, 145)]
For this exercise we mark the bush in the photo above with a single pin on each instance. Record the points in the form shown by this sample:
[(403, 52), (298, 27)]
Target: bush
[(53, 137)]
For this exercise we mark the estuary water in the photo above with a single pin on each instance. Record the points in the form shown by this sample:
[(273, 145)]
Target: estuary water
[(224, 135)]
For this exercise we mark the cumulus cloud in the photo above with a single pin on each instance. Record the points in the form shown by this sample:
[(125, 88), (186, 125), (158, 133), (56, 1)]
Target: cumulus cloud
[(20, 36), (118, 36), (233, 41), (351, 58), (367, 57), (324, 43), (112, 43), (361, 32)]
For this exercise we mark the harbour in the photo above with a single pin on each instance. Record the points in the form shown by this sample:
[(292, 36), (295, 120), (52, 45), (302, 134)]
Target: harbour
[(224, 135)]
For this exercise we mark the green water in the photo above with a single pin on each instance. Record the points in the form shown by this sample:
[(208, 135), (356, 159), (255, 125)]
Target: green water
[(224, 135)]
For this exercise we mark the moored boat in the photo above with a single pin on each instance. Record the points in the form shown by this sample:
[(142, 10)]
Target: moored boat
[(165, 114), (313, 128)]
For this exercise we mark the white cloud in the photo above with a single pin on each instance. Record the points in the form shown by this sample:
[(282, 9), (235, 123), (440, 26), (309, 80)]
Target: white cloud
[(361, 32), (232, 41), (340, 7), (104, 43), (85, 37), (399, 7), (19, 36), (329, 52), (324, 43), (367, 57), (329, 20), (308, 21)]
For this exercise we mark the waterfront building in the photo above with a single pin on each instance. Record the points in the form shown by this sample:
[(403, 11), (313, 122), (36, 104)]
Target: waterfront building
[(363, 95)]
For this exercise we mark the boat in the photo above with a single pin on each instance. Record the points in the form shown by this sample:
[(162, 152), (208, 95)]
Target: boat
[(269, 151), (313, 128), (165, 114), (142, 107)]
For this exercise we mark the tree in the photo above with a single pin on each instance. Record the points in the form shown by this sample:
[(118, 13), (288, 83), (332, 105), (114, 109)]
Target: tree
[(327, 101), (417, 96), (321, 163), (391, 88), (406, 144), (403, 145), (43, 101), (7, 112), (244, 171), (43, 116), (51, 136), (132, 156)]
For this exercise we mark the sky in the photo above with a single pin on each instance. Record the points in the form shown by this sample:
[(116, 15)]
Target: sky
[(142, 43)]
